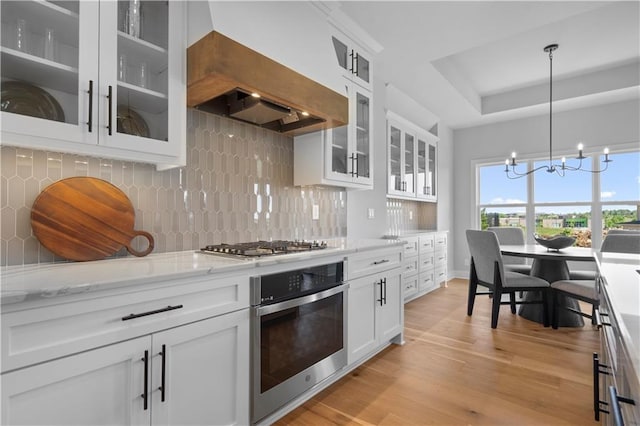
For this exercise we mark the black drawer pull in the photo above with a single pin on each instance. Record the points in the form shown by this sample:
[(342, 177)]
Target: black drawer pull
[(597, 370), (157, 311), (380, 262)]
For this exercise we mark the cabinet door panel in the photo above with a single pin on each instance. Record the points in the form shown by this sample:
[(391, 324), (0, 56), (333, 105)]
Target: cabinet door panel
[(206, 372), (361, 317), (98, 387), (390, 315), (395, 160)]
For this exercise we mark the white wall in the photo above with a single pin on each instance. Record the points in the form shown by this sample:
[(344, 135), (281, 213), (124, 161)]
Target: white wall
[(613, 125)]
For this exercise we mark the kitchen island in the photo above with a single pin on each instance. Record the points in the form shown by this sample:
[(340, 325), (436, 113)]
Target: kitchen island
[(617, 366)]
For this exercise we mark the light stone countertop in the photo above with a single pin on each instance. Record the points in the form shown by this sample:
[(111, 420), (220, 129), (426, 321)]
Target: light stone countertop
[(622, 287), (52, 280)]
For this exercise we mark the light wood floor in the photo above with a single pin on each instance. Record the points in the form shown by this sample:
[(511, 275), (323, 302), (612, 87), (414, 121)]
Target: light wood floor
[(456, 370)]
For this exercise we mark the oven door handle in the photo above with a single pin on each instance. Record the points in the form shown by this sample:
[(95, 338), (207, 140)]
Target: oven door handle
[(281, 306)]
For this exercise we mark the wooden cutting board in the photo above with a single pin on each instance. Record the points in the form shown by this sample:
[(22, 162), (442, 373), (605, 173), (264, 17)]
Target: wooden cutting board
[(84, 218)]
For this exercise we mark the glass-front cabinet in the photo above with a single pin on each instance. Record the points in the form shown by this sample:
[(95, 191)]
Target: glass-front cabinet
[(103, 78), (353, 60), (349, 147), (411, 160), (340, 156)]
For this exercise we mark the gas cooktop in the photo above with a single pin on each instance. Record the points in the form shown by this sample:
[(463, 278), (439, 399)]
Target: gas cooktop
[(263, 248)]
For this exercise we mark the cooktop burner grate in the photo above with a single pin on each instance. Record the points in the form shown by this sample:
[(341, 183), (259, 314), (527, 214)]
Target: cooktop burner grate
[(264, 248)]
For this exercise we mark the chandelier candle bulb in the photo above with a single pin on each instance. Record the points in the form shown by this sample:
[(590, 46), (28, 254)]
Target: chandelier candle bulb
[(606, 155), (580, 148), (564, 160)]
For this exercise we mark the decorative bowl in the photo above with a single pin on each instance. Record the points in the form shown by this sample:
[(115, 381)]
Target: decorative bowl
[(557, 242), (23, 98), (131, 123)]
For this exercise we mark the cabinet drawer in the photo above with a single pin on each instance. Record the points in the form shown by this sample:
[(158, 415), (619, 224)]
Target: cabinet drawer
[(411, 246), (441, 241), (427, 243), (440, 276), (427, 280), (37, 335), (371, 262), (410, 284), (440, 260), (410, 265), (427, 262)]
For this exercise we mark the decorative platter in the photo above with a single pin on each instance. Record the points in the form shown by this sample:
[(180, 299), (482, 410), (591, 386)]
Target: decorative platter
[(19, 97), (131, 123), (557, 242)]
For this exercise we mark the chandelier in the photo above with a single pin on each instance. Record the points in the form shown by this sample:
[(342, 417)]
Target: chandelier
[(560, 169)]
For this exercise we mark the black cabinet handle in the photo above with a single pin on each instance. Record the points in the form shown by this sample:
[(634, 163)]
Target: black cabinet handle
[(384, 283), (380, 262), (353, 172), (596, 387), (356, 169), (90, 91), (615, 405), (157, 311), (163, 382), (352, 59), (145, 394), (110, 108), (381, 300), (355, 68)]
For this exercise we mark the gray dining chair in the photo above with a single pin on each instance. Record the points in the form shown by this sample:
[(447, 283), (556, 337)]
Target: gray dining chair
[(487, 269), (512, 236), (589, 290), (621, 243)]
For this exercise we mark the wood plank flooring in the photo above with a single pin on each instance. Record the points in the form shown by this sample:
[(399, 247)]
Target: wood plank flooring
[(456, 370)]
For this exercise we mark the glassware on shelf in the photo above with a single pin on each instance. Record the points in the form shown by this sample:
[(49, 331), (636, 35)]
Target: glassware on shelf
[(21, 35), (144, 77), (49, 44), (122, 67), (134, 18)]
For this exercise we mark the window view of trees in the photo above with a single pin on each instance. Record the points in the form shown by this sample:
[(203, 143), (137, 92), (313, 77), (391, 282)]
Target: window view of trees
[(564, 208)]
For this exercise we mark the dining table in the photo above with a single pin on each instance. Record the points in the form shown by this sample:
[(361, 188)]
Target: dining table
[(550, 265)]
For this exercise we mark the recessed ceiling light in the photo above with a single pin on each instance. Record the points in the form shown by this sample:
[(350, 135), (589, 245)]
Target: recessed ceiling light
[(305, 113), (255, 95)]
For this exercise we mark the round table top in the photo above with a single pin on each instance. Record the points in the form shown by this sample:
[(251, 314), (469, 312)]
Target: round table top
[(537, 251)]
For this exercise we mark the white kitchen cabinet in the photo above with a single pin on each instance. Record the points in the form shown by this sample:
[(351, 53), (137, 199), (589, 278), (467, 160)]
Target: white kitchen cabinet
[(354, 60), (410, 267), (340, 156), (121, 94), (195, 374), (375, 312), (411, 160), (82, 356), (432, 265), (98, 387)]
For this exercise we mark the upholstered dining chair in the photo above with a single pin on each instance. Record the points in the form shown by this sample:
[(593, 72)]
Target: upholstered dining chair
[(487, 269), (588, 290), (512, 236)]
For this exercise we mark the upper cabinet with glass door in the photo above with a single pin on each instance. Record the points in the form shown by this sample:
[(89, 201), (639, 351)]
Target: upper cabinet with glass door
[(100, 78), (411, 160), (344, 152), (354, 60)]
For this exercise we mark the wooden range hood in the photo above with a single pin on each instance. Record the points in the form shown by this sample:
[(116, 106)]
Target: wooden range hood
[(219, 69)]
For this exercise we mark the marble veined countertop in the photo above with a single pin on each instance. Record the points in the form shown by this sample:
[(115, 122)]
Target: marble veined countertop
[(621, 274), (51, 280)]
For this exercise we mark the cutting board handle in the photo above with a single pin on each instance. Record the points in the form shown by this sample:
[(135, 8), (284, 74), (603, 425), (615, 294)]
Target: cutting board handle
[(149, 248)]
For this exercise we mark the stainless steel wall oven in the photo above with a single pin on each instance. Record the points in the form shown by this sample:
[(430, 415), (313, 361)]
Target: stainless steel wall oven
[(298, 333)]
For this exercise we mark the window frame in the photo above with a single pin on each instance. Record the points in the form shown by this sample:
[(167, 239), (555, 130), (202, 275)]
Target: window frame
[(596, 204)]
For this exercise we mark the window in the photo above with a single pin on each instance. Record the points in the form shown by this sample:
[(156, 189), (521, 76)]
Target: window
[(620, 191), (563, 205), (501, 203)]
